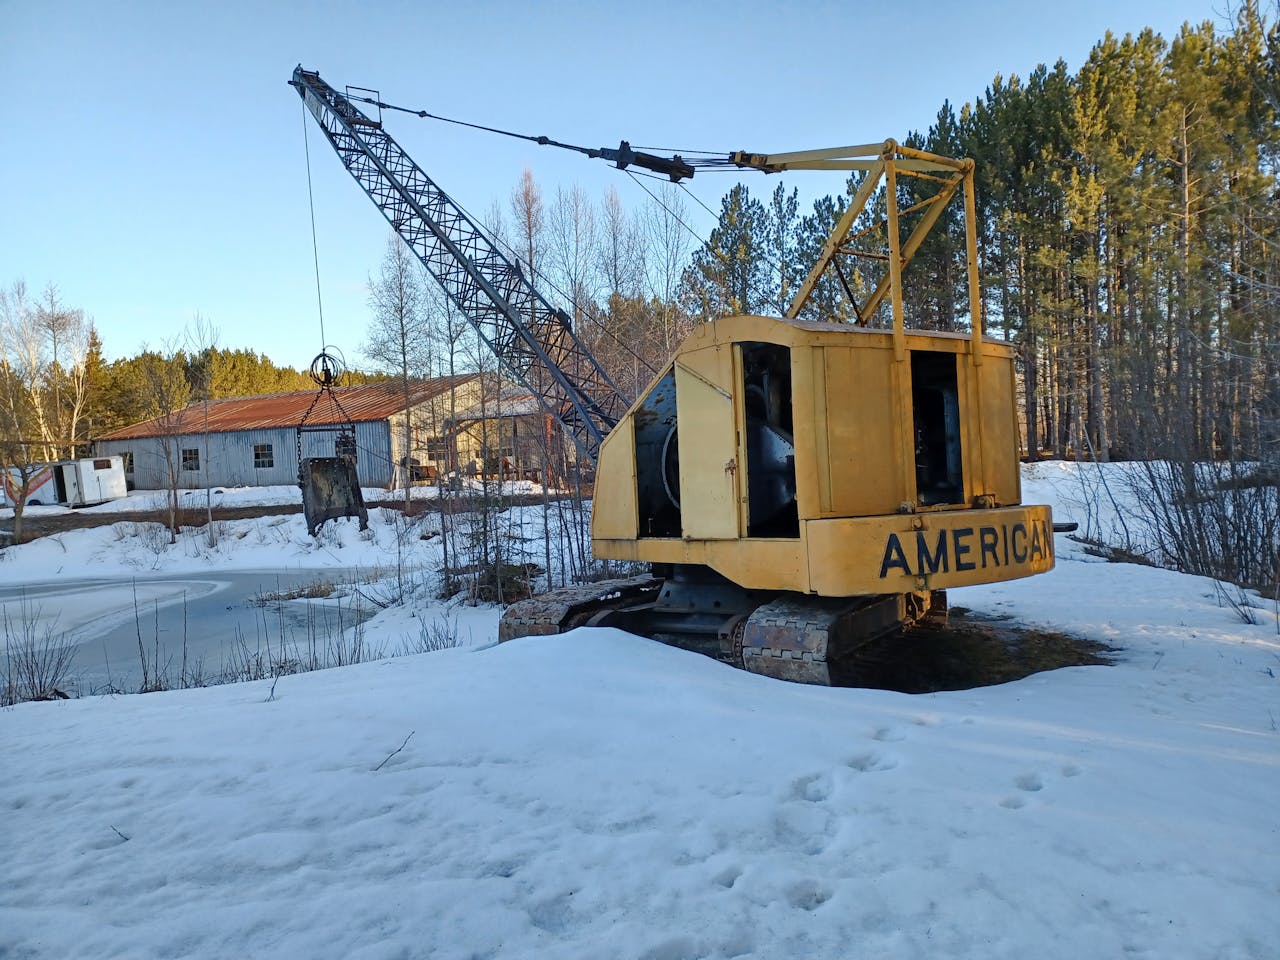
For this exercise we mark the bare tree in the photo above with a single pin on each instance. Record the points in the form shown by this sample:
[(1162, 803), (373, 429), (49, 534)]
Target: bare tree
[(399, 338), (668, 243), (620, 250), (450, 332), (43, 387), (21, 426), (571, 242), (571, 226), (202, 336), (528, 223), (62, 334), (164, 392)]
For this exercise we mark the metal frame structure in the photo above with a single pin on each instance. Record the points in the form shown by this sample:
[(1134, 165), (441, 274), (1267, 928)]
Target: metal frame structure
[(884, 162), (534, 342)]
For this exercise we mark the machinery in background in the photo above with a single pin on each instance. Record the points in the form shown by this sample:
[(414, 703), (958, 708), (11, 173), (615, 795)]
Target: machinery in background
[(799, 488)]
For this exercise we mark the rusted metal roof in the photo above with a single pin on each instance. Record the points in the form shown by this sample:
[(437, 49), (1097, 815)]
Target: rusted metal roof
[(367, 402)]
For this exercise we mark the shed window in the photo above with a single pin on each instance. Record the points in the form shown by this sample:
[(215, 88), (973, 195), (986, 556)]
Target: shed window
[(263, 456), (126, 460), (190, 458)]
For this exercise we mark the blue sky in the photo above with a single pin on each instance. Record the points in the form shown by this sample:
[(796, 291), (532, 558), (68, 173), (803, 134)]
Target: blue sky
[(153, 162)]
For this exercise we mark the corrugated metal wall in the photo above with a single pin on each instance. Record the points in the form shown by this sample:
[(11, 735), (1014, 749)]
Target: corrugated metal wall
[(230, 458)]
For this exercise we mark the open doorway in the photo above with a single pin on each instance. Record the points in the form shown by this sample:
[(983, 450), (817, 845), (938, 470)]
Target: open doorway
[(935, 402)]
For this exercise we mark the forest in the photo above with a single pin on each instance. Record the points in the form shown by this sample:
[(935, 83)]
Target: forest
[(1129, 226), (1128, 220)]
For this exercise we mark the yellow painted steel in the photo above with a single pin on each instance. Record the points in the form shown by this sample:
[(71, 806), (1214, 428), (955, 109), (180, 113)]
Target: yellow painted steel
[(708, 447), (855, 470), (927, 551), (615, 511), (765, 564), (883, 163), (838, 237), (858, 431)]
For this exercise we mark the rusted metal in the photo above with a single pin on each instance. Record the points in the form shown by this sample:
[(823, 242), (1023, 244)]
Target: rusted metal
[(363, 403), (799, 638), (569, 607), (331, 490)]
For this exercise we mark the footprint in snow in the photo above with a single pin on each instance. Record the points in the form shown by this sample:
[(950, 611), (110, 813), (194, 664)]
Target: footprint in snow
[(871, 762), (727, 877), (807, 895), (1030, 782), (889, 734), (552, 915), (814, 788), (1027, 783)]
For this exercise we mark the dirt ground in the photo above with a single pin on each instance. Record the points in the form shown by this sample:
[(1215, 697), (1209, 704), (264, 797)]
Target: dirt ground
[(967, 651), (44, 525)]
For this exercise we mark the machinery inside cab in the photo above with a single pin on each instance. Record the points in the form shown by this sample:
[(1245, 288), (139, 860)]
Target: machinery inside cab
[(935, 418), (763, 389)]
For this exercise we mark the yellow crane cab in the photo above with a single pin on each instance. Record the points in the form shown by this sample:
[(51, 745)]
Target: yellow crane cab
[(800, 487)]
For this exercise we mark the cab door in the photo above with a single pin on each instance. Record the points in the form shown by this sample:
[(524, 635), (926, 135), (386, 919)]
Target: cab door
[(708, 443)]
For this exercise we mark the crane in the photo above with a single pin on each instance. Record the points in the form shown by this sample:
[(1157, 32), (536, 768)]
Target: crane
[(533, 341), (798, 487)]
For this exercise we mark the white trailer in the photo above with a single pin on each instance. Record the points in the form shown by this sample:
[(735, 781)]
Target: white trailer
[(72, 483), (43, 489)]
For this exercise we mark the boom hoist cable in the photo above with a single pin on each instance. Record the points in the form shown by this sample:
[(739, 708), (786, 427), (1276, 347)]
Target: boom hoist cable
[(675, 167), (872, 159)]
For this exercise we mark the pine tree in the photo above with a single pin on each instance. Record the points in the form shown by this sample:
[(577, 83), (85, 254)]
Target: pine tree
[(724, 277)]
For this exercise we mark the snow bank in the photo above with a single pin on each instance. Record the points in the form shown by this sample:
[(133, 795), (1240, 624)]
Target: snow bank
[(130, 548), (600, 795), (597, 795)]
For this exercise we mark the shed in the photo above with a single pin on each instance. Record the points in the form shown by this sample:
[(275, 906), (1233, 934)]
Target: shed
[(253, 441), (511, 435)]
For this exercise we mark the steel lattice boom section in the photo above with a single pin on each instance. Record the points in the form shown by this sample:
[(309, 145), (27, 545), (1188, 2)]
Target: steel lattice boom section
[(534, 342)]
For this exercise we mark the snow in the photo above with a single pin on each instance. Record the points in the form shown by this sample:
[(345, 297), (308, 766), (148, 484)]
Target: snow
[(281, 542), (145, 500), (599, 795)]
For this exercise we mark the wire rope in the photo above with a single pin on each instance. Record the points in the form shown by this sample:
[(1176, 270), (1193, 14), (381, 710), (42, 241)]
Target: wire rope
[(708, 160), (315, 246), (753, 285), (498, 241), (715, 158)]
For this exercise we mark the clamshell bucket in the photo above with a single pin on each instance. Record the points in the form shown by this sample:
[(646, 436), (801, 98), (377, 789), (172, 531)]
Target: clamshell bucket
[(330, 485), (331, 489)]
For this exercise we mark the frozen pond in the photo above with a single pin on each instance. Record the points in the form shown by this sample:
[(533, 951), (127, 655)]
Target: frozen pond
[(202, 626)]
